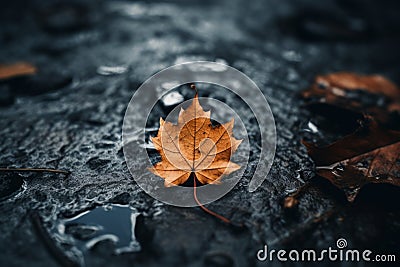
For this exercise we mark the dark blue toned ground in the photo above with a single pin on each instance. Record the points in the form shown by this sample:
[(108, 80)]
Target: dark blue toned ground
[(91, 57)]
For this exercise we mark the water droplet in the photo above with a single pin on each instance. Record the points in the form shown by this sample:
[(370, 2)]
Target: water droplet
[(299, 176), (312, 127), (172, 98), (111, 70)]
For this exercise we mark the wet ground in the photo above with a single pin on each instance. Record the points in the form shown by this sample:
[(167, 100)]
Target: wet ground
[(92, 55)]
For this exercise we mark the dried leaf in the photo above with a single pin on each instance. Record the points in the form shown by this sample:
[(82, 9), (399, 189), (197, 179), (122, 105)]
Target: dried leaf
[(369, 155), (195, 146), (365, 94), (16, 69)]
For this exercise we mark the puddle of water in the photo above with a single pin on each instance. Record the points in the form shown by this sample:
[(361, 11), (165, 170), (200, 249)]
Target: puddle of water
[(113, 223), (172, 98), (312, 127)]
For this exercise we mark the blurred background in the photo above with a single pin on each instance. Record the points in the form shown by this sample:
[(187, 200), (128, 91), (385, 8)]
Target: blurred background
[(68, 71)]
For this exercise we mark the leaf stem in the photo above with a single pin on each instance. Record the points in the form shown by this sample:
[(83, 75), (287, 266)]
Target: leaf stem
[(193, 86), (33, 170), (222, 218)]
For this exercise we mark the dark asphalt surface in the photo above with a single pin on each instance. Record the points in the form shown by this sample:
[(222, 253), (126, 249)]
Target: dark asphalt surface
[(92, 55)]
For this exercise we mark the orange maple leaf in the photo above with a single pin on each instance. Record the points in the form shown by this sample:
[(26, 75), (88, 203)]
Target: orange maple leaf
[(194, 146)]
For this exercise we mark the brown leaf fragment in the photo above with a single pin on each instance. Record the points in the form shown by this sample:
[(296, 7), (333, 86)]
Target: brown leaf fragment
[(365, 94), (369, 155), (290, 202), (16, 69), (194, 145)]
